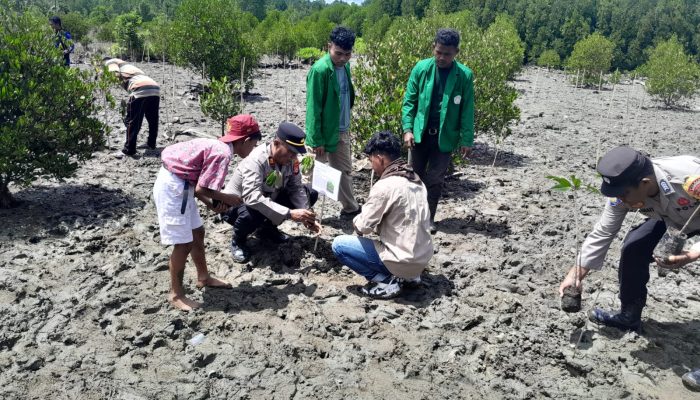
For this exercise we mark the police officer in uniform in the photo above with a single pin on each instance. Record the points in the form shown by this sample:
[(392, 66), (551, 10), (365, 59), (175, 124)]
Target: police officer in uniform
[(269, 181), (665, 190)]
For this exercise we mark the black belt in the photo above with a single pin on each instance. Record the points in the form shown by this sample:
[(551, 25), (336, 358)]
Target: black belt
[(184, 197)]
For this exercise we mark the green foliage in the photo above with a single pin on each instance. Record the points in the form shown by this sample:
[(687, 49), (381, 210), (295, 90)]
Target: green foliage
[(207, 36), (549, 58), (126, 33), (360, 47), (615, 77), (573, 183), (105, 32), (382, 75), (220, 102), (307, 164), (672, 75), (158, 40), (591, 57), (503, 37), (309, 54), (46, 110), (77, 25)]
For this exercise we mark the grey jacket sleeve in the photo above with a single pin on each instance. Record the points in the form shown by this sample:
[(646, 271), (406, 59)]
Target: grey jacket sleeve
[(597, 243), (253, 197), (296, 192)]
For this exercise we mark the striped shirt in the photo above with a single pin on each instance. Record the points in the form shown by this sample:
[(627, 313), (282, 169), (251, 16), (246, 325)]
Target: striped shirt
[(142, 86)]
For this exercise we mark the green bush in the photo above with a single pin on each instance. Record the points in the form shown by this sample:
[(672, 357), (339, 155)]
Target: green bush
[(672, 75), (502, 37), (382, 76), (126, 27), (219, 102), (549, 58), (309, 55), (206, 37), (158, 39), (47, 111), (591, 57), (360, 47), (105, 32), (77, 25)]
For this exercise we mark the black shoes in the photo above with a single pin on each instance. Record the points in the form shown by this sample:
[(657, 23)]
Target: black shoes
[(628, 319)]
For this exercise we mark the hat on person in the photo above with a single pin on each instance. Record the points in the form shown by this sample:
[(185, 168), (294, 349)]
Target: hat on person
[(240, 127), (623, 167), (293, 136)]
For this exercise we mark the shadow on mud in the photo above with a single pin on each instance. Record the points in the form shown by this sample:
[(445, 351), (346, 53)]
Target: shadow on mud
[(479, 225), (483, 154), (55, 210), (672, 345), (432, 287), (273, 295)]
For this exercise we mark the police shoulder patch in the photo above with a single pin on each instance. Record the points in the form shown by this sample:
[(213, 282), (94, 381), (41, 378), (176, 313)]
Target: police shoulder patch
[(666, 187), (614, 201), (692, 186)]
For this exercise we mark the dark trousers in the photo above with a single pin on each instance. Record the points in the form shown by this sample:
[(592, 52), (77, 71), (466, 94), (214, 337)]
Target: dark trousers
[(431, 165), (246, 220), (136, 109), (635, 257)]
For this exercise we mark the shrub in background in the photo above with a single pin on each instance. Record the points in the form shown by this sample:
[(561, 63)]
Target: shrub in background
[(47, 123), (591, 57), (672, 75)]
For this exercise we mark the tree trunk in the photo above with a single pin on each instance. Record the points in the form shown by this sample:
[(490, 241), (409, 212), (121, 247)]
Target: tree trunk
[(6, 199)]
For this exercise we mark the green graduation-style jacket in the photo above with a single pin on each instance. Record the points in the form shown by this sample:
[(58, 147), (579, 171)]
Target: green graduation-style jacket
[(457, 113), (323, 104)]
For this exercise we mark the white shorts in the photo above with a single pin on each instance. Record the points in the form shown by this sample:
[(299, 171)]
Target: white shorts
[(175, 227)]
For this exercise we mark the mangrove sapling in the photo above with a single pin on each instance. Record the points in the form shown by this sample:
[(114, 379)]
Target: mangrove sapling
[(220, 102), (571, 301)]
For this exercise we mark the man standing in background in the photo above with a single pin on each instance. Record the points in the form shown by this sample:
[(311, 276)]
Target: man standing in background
[(329, 98), (438, 114), (63, 39)]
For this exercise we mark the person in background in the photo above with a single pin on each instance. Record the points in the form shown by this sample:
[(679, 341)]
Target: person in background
[(62, 39), (143, 101), (329, 97), (438, 114)]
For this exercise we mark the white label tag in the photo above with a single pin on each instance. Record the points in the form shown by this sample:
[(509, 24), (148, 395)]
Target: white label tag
[(458, 99)]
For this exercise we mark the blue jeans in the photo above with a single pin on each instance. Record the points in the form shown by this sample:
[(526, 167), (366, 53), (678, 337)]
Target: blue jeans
[(359, 255)]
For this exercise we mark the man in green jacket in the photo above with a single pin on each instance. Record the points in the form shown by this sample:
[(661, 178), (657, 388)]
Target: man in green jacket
[(329, 97), (438, 114)]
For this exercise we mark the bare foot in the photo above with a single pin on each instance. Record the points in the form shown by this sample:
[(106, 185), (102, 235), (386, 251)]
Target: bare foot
[(183, 303), (213, 282)]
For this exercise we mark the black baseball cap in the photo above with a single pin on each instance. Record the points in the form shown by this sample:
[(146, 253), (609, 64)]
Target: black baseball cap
[(293, 136), (623, 167)]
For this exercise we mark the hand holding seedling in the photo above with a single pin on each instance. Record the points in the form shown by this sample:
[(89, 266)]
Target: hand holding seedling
[(677, 261), (306, 217), (573, 279)]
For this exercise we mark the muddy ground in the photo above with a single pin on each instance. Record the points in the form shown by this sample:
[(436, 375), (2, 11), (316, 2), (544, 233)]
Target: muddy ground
[(83, 276)]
